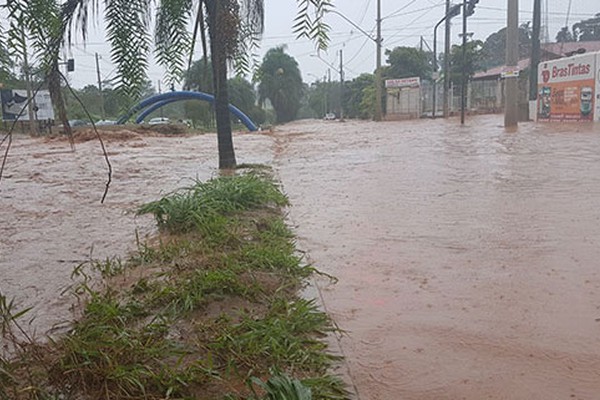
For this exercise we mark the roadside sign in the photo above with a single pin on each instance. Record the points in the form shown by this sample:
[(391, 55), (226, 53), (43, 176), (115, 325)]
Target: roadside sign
[(414, 81), (510, 72)]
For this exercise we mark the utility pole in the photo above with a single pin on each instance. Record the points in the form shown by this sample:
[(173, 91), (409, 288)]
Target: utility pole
[(100, 88), (535, 56), (30, 94), (341, 86), (327, 92), (463, 83), (378, 83), (511, 107), (447, 63)]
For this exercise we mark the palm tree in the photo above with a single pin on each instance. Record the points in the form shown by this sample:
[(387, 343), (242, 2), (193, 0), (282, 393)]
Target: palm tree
[(280, 81)]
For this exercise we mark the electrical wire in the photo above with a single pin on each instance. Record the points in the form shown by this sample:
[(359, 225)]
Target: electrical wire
[(364, 14), (417, 10), (409, 25), (399, 10)]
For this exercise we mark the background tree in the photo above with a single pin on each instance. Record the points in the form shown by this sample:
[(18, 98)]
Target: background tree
[(6, 63), (243, 96), (588, 29), (359, 101), (472, 63), (199, 76), (582, 31), (280, 81), (494, 46), (406, 62), (322, 97), (564, 35)]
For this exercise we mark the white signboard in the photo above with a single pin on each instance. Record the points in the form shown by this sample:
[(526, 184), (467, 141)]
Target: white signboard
[(570, 69), (414, 81), (14, 103), (568, 89)]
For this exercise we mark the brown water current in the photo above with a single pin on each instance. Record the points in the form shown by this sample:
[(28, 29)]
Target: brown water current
[(51, 218), (468, 258)]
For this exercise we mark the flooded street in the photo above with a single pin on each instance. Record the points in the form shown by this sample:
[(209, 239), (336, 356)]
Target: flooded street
[(468, 258)]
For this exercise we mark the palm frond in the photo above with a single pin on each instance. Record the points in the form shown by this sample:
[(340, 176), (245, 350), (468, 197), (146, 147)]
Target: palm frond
[(173, 41), (76, 15), (309, 21), (127, 30)]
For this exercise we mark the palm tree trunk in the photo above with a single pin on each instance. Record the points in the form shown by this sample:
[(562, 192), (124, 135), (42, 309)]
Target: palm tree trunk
[(56, 95), (219, 64)]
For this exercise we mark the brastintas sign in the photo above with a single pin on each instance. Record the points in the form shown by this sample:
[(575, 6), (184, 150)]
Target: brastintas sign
[(414, 81), (14, 105), (568, 89)]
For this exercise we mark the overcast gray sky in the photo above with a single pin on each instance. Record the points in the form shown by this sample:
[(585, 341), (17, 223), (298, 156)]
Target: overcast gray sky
[(404, 22)]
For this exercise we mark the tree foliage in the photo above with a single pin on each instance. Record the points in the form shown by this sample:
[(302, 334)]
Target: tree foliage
[(359, 101), (199, 76), (588, 29), (472, 63), (583, 31), (494, 46), (406, 62), (280, 81)]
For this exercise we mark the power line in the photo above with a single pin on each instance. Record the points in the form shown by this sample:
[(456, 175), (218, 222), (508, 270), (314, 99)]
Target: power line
[(409, 25), (364, 14), (531, 12), (400, 9), (568, 12), (416, 11)]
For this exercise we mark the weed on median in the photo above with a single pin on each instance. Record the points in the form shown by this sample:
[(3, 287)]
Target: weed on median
[(208, 310)]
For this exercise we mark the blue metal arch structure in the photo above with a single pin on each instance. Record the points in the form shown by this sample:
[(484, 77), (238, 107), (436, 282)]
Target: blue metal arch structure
[(155, 102)]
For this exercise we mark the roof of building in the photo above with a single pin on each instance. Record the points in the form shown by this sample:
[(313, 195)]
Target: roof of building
[(568, 49), (550, 51), (497, 71)]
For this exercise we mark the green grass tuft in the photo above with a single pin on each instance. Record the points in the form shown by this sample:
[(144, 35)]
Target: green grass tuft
[(205, 206), (192, 315)]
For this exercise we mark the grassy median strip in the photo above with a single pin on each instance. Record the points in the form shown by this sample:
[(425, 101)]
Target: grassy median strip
[(208, 310)]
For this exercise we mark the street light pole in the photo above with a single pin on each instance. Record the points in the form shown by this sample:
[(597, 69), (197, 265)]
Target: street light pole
[(341, 86), (450, 13), (378, 82), (447, 63)]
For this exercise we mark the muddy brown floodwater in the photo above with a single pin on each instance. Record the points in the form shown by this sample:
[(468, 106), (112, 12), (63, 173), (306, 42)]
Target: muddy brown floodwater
[(51, 218), (468, 258)]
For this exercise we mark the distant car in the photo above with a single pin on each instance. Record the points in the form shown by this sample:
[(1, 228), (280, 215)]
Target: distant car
[(105, 122), (78, 122), (159, 121), (74, 123), (329, 117)]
